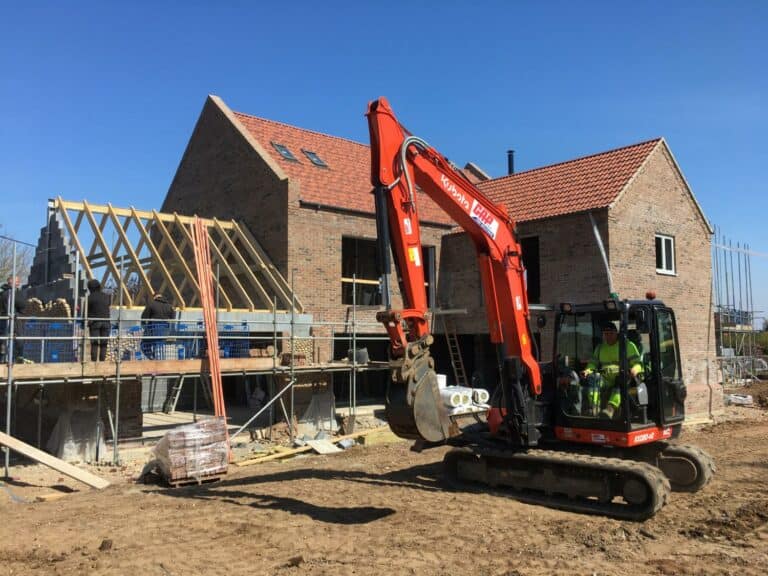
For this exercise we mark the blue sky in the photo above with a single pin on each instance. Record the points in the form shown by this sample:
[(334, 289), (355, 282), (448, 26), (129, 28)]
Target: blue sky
[(98, 100)]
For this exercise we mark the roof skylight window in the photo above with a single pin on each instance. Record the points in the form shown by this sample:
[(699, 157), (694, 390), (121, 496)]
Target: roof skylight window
[(314, 158), (284, 152)]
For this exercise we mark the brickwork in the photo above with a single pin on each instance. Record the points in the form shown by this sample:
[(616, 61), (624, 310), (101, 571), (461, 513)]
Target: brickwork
[(224, 174), (315, 252), (657, 201), (572, 270), (221, 175)]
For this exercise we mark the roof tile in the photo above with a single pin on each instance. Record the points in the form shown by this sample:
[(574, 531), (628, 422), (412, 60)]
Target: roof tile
[(344, 184), (574, 186), (578, 185)]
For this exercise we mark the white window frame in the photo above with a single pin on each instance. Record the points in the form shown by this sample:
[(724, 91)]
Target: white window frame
[(667, 268)]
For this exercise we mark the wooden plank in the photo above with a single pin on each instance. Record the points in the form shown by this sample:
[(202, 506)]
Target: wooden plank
[(138, 368), (124, 239), (52, 462), (129, 368), (156, 255), (111, 265), (306, 448), (273, 276), (323, 446), (359, 434), (230, 273), (73, 238), (277, 456), (100, 209)]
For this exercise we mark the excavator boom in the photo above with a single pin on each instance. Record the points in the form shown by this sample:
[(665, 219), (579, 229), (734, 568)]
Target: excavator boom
[(401, 163)]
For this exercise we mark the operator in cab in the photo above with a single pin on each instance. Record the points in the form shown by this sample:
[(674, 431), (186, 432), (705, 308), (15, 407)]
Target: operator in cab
[(605, 359)]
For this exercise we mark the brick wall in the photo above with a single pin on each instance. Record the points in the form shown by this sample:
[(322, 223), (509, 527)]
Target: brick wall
[(221, 174), (657, 201), (571, 270), (224, 174), (315, 251)]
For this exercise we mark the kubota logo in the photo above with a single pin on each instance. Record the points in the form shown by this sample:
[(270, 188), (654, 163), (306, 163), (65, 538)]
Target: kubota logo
[(450, 187)]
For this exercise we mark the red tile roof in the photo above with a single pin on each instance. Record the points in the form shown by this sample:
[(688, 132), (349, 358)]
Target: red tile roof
[(344, 184), (578, 185)]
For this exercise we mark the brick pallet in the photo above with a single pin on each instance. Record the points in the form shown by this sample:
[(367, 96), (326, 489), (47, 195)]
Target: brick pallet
[(194, 453)]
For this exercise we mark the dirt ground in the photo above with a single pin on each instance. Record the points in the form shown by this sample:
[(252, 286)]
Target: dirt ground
[(383, 510)]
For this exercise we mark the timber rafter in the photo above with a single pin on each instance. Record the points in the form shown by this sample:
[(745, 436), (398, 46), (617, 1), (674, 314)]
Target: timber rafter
[(139, 253)]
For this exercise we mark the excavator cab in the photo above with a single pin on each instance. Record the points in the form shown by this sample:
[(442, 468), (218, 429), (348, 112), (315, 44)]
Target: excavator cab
[(618, 373)]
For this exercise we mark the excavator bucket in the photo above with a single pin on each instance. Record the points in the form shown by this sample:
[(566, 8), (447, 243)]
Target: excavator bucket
[(414, 408), (422, 419)]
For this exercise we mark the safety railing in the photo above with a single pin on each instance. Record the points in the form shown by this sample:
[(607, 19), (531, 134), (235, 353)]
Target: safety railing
[(740, 370), (42, 340)]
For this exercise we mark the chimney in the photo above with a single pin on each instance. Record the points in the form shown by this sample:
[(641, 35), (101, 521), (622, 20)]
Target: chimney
[(510, 162)]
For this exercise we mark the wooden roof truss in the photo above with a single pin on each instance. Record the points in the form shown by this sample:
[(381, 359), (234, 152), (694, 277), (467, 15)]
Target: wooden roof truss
[(139, 253)]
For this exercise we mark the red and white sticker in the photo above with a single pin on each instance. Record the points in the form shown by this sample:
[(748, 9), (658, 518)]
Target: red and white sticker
[(484, 218)]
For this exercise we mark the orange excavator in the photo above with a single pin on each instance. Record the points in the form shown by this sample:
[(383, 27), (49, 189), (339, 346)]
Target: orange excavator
[(542, 434)]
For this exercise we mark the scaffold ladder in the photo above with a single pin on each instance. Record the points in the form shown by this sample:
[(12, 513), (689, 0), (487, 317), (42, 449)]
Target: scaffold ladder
[(454, 351)]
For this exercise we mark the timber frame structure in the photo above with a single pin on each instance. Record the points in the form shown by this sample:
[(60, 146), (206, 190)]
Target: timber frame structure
[(139, 253)]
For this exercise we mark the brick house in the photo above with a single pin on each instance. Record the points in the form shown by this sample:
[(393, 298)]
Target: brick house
[(655, 235), (305, 197)]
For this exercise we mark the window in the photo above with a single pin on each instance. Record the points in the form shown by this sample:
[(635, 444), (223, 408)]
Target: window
[(672, 388), (284, 152), (428, 260), (359, 262), (665, 254), (314, 158), (530, 249)]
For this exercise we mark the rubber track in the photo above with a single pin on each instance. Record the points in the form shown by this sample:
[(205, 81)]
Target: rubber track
[(704, 463), (577, 465)]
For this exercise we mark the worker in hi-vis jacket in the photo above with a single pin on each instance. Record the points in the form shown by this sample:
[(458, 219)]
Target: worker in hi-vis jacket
[(605, 359)]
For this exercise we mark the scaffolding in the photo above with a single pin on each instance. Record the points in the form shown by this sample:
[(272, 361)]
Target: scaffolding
[(41, 352), (736, 320)]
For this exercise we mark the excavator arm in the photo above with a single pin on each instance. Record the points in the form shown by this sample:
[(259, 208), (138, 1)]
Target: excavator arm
[(399, 163)]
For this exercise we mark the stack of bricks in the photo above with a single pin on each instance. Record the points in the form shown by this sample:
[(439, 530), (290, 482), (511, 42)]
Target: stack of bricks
[(58, 308), (194, 452), (300, 350), (262, 352), (126, 347)]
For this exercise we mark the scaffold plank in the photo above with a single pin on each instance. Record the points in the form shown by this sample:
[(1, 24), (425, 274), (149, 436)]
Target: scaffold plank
[(52, 462)]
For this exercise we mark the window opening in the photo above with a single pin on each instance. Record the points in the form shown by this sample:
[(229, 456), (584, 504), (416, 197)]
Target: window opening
[(359, 260), (284, 152), (314, 158), (665, 254)]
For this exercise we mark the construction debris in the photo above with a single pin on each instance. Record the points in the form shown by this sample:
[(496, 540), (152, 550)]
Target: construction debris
[(318, 445), (739, 399)]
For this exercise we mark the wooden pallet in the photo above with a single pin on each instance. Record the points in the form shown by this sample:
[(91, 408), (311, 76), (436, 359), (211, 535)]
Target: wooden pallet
[(196, 481)]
